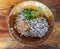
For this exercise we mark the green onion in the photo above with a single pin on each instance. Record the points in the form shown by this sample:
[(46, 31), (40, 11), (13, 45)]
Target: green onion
[(30, 13)]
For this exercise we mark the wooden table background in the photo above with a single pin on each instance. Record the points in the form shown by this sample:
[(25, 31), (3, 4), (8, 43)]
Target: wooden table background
[(6, 41)]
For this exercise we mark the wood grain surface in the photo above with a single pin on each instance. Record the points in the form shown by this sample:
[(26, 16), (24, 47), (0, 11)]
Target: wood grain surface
[(7, 42)]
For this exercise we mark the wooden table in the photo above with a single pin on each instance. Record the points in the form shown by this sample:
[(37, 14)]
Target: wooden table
[(7, 42)]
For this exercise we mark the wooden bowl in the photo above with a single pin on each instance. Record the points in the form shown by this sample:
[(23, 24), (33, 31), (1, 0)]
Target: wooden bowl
[(43, 10)]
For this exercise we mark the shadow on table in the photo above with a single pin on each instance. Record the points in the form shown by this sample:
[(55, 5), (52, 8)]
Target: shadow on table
[(40, 47)]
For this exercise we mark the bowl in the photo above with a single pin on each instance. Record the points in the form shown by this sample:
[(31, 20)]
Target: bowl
[(43, 10)]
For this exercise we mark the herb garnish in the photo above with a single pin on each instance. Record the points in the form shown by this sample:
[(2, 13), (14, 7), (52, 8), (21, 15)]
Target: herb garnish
[(30, 13)]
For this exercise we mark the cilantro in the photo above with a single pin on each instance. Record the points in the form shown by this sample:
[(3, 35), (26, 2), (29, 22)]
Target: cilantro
[(30, 13), (27, 13)]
